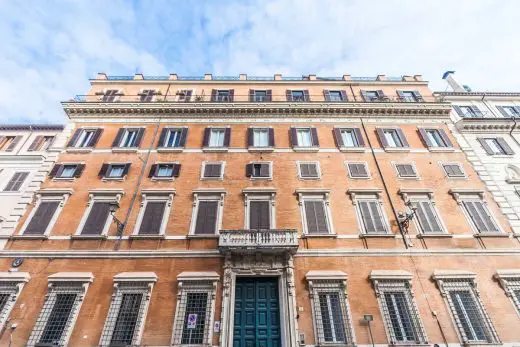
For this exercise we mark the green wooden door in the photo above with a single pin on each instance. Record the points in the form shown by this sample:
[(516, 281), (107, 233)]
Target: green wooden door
[(257, 313)]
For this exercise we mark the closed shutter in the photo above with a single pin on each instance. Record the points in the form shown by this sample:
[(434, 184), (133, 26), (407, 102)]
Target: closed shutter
[(484, 145), (314, 137), (54, 170), (41, 218), (502, 143), (288, 95), (213, 95), (212, 170), (427, 217), (315, 216), (418, 96), (16, 181), (206, 218), (227, 137), (96, 219), (405, 170), (358, 170), (36, 143), (231, 95), (162, 137), (343, 95), (207, 134), (445, 138), (251, 95), (13, 144), (365, 96), (139, 137), (425, 137), (119, 135), (480, 216), (249, 170), (153, 171), (269, 95), (359, 137), (152, 218), (184, 136), (79, 170), (176, 170), (381, 135), (259, 215), (103, 170), (250, 137), (458, 110), (271, 137), (338, 137), (74, 138), (294, 137), (453, 170), (94, 140), (306, 96), (308, 170), (372, 217), (264, 170), (400, 133), (400, 94)]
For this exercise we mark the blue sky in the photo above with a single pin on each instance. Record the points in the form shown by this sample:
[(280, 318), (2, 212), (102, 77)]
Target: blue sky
[(51, 48)]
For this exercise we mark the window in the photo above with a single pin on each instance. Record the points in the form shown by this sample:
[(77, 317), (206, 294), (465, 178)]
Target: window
[(111, 95), (260, 208), (11, 284), (330, 308), (184, 95), (358, 170), (471, 319), (259, 170), (60, 309), (371, 217), (406, 170), (476, 210), (222, 95), (495, 146), (41, 143), (435, 138), (127, 313), (308, 170), (16, 182), (373, 95), (128, 138), (468, 111), (147, 95), (216, 137), (304, 138), (297, 95), (260, 95), (409, 96), (9, 143), (348, 138), (67, 171), (97, 217), (315, 210), (173, 137), (426, 218), (154, 213), (335, 95), (114, 171), (392, 138), (195, 300), (453, 170), (398, 307), (509, 111), (207, 212), (510, 282), (260, 137), (165, 170), (84, 138), (212, 170)]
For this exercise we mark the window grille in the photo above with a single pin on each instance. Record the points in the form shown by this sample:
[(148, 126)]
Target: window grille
[(127, 314), (511, 284), (9, 291)]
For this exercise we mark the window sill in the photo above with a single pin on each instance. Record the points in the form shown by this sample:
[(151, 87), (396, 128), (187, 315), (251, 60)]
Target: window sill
[(309, 178), (383, 236), (497, 234), (64, 179), (164, 179), (29, 237), (145, 237), (215, 149), (352, 149), (260, 178), (306, 149), (117, 179), (397, 149), (359, 178), (311, 236), (124, 149), (434, 236), (169, 149), (441, 149), (260, 149), (206, 236), (212, 178), (88, 237), (502, 155), (79, 150)]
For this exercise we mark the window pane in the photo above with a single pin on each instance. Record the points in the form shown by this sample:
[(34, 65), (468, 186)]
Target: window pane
[(261, 137), (435, 138), (129, 138), (165, 171), (392, 138), (495, 147), (335, 95), (408, 96), (68, 171), (469, 315), (298, 95), (332, 317), (126, 319), (196, 306), (400, 316), (58, 318), (372, 95), (116, 171), (260, 95), (304, 137), (217, 138), (349, 138), (173, 138)]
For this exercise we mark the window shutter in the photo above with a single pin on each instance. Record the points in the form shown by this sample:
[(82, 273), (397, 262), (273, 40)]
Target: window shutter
[(74, 138), (288, 95), (103, 170), (264, 170), (306, 96), (337, 137), (343, 95), (400, 94), (249, 170), (316, 219), (54, 170), (381, 135), (505, 146), (176, 170), (231, 95), (79, 170), (359, 137), (36, 143), (503, 112), (326, 94), (16, 181), (400, 133), (304, 170), (259, 215), (119, 135), (480, 216), (96, 219), (425, 138), (13, 144), (41, 218), (60, 171), (365, 96), (187, 95), (250, 137), (269, 95), (95, 138), (206, 217), (271, 136), (380, 94), (212, 170), (227, 137), (477, 111), (213, 95), (207, 134), (152, 218), (314, 137), (405, 170), (153, 170), (162, 137), (427, 217), (126, 169), (313, 170), (458, 110), (184, 136), (445, 138), (372, 218), (251, 95), (484, 145), (358, 170), (486, 217), (418, 96), (139, 138), (294, 137)]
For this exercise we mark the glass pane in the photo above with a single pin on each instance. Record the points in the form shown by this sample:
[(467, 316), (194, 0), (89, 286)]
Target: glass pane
[(116, 171), (332, 318), (392, 138), (217, 138), (297, 95), (335, 95), (495, 147), (349, 138), (261, 137), (173, 138), (400, 316), (193, 332), (260, 95), (165, 171), (68, 171), (304, 137), (129, 138), (469, 315), (408, 96)]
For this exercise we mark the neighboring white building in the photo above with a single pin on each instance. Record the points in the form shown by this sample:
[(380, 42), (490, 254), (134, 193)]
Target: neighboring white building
[(486, 127), (27, 153)]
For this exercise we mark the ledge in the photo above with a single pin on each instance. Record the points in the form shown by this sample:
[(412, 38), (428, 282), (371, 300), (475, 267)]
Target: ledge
[(312, 190), (135, 277), (325, 275), (441, 149), (64, 179), (159, 191), (352, 149), (113, 179), (311, 236), (163, 179), (498, 234), (390, 275), (452, 274), (197, 276), (397, 149), (415, 191), (146, 237), (55, 191), (215, 149), (29, 237), (170, 149), (124, 149), (88, 237), (259, 190), (507, 273), (260, 149), (15, 276), (71, 277), (106, 191), (78, 150), (434, 236), (209, 191), (383, 236), (306, 149), (208, 236)]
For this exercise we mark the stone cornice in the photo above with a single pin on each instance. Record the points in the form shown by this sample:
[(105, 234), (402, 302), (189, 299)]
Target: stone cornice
[(485, 125)]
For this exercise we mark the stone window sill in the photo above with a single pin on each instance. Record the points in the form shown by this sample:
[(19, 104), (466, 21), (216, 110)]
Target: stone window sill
[(441, 149), (498, 234), (311, 236), (167, 179), (352, 149), (29, 237), (79, 150), (260, 149), (434, 236), (306, 149), (215, 149), (170, 149), (397, 149), (383, 236), (208, 236), (88, 237), (124, 149), (147, 237)]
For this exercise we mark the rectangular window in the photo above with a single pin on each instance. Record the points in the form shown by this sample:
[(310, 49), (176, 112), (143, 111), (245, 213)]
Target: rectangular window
[(304, 137), (16, 182), (392, 138), (212, 170), (116, 171), (434, 138), (152, 220), (331, 317), (348, 136), (207, 214), (406, 170), (184, 95), (469, 111), (147, 95), (495, 146), (509, 111), (316, 217), (297, 95), (258, 170), (358, 170), (400, 316), (309, 170), (335, 95), (41, 218), (372, 219), (480, 216), (427, 217), (9, 143), (41, 143), (110, 95), (217, 138), (172, 138), (96, 221), (408, 96), (68, 171), (453, 170), (260, 96), (165, 170), (129, 138), (261, 137), (224, 96), (259, 214), (84, 138)]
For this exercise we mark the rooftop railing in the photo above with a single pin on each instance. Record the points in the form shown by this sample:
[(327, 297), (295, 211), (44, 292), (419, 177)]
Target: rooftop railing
[(257, 78)]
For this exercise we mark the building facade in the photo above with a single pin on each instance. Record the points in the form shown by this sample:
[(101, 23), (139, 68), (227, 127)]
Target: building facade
[(26, 156), (242, 211)]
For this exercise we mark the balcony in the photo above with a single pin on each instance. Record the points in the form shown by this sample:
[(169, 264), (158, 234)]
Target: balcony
[(269, 241)]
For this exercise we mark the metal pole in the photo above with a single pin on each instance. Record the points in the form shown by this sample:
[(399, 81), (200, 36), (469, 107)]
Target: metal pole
[(370, 333)]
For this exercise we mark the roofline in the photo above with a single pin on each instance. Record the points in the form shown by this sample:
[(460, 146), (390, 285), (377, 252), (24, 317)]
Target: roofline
[(32, 127), (477, 93)]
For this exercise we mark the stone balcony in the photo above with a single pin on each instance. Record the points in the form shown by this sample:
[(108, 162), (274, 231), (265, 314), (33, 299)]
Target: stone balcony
[(269, 241)]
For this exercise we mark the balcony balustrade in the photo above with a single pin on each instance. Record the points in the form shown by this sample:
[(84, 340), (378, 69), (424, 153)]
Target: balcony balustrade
[(250, 241)]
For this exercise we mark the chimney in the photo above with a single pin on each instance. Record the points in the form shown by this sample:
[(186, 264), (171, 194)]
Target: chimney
[(452, 82)]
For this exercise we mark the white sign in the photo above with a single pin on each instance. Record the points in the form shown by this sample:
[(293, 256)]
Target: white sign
[(192, 321), (216, 326)]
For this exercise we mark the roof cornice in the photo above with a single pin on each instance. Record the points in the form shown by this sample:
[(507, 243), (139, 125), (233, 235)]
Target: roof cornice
[(485, 125)]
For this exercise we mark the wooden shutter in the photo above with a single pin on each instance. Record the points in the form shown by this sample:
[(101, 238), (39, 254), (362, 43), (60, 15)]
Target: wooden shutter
[(153, 171), (74, 138), (306, 96), (400, 133), (381, 135), (207, 134), (250, 137), (227, 137), (176, 170), (36, 143), (259, 215), (231, 95), (16, 181), (343, 95), (371, 216), (162, 137), (152, 218), (365, 96), (326, 94), (358, 170), (381, 94), (206, 217), (264, 170), (119, 135), (96, 219), (184, 136), (484, 145), (359, 137), (338, 137), (445, 138), (308, 170), (251, 95), (213, 95), (95, 138), (294, 137), (103, 170), (212, 170), (271, 137), (401, 95), (418, 96), (505, 146), (269, 95), (54, 170), (314, 137), (249, 170), (480, 216), (288, 95), (405, 170), (477, 111), (424, 137), (458, 110), (428, 219), (41, 218), (315, 216), (126, 169), (139, 137), (453, 170), (79, 170), (13, 144)]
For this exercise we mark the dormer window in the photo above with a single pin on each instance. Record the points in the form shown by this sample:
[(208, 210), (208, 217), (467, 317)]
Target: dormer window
[(110, 95), (147, 95), (222, 95)]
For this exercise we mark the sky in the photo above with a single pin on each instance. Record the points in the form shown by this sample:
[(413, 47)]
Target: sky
[(51, 48)]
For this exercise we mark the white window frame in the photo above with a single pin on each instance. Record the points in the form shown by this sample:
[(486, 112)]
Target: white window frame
[(207, 194), (184, 90), (417, 195), (215, 129), (11, 283), (453, 280), (347, 165), (154, 195), (129, 283), (62, 282), (99, 195), (266, 129), (155, 93), (270, 163), (327, 281), (315, 194), (372, 194), (509, 279), (22, 186), (194, 282), (465, 176), (301, 146), (84, 130), (203, 168), (125, 137), (352, 130), (460, 195), (417, 175), (398, 281), (299, 173), (260, 194), (47, 195)]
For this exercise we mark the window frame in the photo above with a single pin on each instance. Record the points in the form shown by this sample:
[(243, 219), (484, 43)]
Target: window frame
[(154, 195), (369, 194), (267, 130), (443, 167), (5, 147), (357, 136), (417, 176), (207, 194), (262, 162), (349, 171), (411, 196), (210, 162), (404, 144), (165, 178), (99, 195), (182, 92), (22, 185), (299, 172), (509, 280), (259, 194), (116, 96), (315, 194), (161, 147), (11, 283), (152, 95), (472, 195)]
